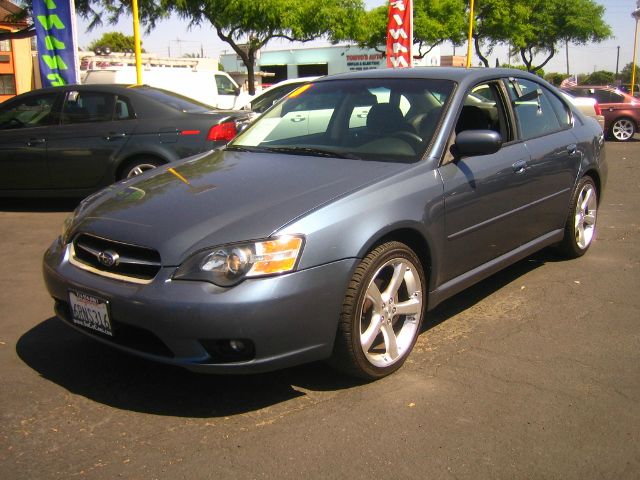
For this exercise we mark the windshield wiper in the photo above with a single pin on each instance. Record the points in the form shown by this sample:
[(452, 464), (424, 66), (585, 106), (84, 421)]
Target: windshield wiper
[(242, 148), (316, 152)]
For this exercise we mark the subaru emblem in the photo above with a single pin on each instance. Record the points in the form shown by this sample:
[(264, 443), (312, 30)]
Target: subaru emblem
[(109, 258)]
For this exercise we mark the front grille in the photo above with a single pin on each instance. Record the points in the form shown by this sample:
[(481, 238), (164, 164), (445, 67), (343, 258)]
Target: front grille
[(116, 259)]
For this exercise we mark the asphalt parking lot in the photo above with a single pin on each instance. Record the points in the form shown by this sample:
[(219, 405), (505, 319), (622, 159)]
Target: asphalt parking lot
[(532, 374)]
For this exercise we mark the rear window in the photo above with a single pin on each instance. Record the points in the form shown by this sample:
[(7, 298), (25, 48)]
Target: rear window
[(173, 100)]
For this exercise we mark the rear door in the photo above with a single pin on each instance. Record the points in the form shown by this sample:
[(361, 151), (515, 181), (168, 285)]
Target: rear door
[(94, 128), (544, 123), (24, 129)]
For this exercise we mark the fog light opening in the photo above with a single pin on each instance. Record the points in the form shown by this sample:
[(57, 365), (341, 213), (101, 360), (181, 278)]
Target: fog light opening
[(229, 350)]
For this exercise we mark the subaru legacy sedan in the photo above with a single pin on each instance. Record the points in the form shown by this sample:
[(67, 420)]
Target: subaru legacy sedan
[(329, 228)]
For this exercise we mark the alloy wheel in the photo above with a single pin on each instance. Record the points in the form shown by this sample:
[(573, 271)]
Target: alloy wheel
[(585, 216), (390, 312)]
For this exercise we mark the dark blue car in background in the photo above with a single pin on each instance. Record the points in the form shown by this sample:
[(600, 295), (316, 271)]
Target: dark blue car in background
[(76, 139)]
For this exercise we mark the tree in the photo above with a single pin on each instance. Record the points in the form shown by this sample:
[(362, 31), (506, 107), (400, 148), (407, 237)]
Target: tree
[(601, 77), (536, 27), (245, 25), (434, 22), (555, 78), (117, 41), (625, 74), (491, 25)]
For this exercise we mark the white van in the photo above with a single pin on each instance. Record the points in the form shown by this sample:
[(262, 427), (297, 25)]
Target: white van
[(212, 87)]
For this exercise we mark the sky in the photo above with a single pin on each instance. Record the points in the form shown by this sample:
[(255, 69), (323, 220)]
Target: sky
[(173, 38)]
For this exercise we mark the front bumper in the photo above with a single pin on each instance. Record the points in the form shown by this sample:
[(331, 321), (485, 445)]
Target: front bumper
[(288, 320)]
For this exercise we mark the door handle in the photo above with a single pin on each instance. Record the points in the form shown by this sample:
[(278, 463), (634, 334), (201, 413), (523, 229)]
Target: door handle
[(299, 118), (32, 142), (519, 167), (572, 149), (115, 136)]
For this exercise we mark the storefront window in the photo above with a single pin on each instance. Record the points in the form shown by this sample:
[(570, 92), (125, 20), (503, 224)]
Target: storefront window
[(5, 45), (7, 84)]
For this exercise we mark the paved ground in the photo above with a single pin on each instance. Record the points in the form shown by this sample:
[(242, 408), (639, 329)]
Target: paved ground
[(532, 374)]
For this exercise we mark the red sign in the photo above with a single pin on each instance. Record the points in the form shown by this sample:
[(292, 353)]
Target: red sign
[(400, 34)]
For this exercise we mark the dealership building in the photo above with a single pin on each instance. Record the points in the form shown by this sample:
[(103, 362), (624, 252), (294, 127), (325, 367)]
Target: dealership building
[(278, 65)]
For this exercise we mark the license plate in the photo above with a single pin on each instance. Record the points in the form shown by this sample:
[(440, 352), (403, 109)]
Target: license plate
[(90, 312)]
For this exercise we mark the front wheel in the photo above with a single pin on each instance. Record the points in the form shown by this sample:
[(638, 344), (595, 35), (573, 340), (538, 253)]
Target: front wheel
[(623, 129), (580, 228), (381, 314)]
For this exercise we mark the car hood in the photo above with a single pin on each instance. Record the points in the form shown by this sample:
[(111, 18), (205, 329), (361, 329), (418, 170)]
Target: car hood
[(220, 197)]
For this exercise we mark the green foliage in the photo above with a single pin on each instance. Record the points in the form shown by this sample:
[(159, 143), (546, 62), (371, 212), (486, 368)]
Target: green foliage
[(539, 72), (537, 27), (625, 74), (245, 25), (118, 42), (555, 78), (601, 77)]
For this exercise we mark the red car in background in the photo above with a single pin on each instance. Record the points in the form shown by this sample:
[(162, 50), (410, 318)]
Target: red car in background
[(621, 111)]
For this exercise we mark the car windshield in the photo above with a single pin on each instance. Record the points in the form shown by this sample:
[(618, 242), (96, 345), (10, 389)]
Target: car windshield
[(174, 100), (370, 119)]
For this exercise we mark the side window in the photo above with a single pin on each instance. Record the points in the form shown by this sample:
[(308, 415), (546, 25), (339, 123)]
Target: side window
[(562, 111), (269, 98), (534, 113), (124, 111), (34, 111), (87, 107), (483, 110), (225, 86)]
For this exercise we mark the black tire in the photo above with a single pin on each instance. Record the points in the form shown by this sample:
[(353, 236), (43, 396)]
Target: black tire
[(622, 129), (365, 338), (137, 166), (579, 230)]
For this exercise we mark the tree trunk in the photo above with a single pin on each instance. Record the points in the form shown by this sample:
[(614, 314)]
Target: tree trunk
[(251, 65), (476, 42)]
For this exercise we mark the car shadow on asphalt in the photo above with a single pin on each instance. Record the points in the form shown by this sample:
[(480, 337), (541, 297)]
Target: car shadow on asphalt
[(38, 204), (108, 376)]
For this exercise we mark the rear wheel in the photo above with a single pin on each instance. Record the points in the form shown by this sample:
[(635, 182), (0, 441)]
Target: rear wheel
[(137, 166), (580, 228), (381, 314), (623, 129)]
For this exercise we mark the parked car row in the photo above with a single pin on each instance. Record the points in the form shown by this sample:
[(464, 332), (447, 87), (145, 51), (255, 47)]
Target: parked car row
[(75, 139), (331, 237), (621, 111)]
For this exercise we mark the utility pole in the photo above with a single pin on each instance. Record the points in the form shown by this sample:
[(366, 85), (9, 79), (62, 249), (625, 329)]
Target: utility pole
[(566, 48), (617, 61), (636, 15)]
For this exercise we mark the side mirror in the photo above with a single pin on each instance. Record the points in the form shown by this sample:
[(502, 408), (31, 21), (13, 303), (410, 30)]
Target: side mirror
[(527, 97), (236, 91), (477, 142)]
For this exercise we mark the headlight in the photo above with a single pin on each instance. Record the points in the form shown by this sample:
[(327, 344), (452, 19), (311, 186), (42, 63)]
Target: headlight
[(229, 265), (66, 226)]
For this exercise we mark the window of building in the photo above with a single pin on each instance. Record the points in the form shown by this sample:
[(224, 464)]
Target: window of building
[(7, 84)]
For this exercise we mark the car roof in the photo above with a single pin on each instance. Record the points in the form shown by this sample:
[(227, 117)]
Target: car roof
[(445, 73), (464, 77)]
